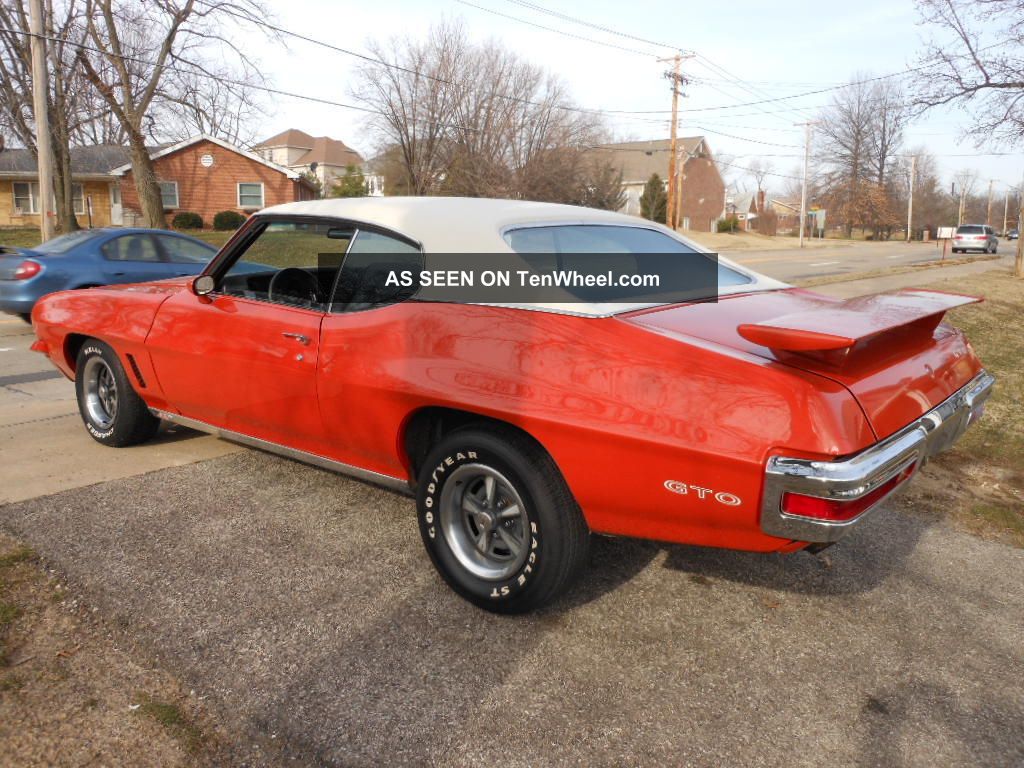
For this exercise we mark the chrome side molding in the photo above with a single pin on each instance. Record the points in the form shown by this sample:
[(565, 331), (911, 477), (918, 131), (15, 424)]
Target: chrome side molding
[(366, 475)]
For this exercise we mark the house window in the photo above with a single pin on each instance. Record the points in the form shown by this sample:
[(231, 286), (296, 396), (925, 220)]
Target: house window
[(26, 196), (78, 198), (686, 223), (169, 194), (250, 194)]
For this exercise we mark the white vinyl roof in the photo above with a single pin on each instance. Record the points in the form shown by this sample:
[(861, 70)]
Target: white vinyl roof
[(477, 225)]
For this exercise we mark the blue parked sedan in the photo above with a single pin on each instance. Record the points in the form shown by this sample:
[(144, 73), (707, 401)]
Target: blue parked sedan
[(91, 257)]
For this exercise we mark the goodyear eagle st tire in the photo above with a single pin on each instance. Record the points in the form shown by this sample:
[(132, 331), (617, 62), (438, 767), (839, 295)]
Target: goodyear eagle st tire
[(498, 519)]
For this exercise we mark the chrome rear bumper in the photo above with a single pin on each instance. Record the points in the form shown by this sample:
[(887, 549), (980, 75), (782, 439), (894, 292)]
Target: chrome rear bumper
[(860, 474)]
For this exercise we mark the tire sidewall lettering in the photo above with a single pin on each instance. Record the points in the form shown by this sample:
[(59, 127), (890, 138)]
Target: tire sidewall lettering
[(99, 434), (429, 500)]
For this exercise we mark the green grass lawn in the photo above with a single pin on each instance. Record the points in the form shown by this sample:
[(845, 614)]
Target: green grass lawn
[(980, 483)]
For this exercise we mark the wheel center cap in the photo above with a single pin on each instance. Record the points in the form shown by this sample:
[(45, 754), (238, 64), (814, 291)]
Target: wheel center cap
[(485, 520)]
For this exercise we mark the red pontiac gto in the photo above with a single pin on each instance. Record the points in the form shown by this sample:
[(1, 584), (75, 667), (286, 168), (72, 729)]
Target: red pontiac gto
[(771, 420)]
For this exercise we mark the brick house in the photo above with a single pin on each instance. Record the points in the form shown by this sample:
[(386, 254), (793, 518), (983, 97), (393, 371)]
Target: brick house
[(207, 175), (95, 192), (703, 191)]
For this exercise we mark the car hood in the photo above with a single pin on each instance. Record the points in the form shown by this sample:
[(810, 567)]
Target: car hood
[(889, 350)]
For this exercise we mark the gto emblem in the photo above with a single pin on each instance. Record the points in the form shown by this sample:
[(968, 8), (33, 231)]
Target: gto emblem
[(684, 489)]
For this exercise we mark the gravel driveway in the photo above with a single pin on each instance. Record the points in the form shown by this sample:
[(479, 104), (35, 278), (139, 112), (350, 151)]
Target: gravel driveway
[(303, 605)]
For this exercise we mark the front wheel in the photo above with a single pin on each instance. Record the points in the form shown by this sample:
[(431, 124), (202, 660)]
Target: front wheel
[(112, 411), (499, 521)]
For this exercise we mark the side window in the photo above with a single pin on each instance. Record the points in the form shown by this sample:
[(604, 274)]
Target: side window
[(131, 248), (182, 251), (292, 263), (374, 272)]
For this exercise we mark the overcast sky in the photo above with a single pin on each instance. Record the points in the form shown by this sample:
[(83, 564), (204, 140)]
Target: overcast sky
[(778, 49)]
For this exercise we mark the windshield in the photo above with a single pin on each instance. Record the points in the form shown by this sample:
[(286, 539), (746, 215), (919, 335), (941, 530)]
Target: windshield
[(971, 230), (65, 243)]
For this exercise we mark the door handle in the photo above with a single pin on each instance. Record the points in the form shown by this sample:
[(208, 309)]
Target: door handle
[(304, 340)]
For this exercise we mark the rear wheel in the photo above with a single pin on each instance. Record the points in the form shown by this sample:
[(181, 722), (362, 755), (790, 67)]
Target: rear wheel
[(112, 411), (498, 520)]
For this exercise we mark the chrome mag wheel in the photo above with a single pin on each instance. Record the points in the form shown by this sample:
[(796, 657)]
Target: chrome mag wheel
[(484, 522), (100, 392)]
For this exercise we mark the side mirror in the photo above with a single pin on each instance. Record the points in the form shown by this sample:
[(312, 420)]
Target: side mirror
[(203, 285)]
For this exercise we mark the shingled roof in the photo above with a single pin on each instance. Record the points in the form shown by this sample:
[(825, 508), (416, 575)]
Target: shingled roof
[(319, 149), (638, 160), (97, 160)]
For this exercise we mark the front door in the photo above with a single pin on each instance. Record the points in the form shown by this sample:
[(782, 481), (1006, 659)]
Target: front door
[(116, 212), (245, 357)]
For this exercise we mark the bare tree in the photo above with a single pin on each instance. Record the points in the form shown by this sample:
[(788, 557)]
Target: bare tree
[(759, 170), (975, 59), (477, 120), (143, 45), (890, 113), (62, 25), (191, 103), (413, 102), (862, 130)]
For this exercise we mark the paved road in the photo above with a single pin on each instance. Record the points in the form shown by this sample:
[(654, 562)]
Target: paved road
[(793, 264), (303, 606)]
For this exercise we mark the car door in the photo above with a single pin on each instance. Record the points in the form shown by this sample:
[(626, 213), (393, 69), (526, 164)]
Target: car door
[(182, 255), (244, 358), (131, 258)]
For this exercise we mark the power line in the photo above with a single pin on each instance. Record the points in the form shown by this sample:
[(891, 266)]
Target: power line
[(583, 22), (646, 54), (741, 138), (814, 92), (199, 72)]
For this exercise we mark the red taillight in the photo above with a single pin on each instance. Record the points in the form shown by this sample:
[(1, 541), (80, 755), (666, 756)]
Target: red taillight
[(27, 269), (835, 510), (959, 237)]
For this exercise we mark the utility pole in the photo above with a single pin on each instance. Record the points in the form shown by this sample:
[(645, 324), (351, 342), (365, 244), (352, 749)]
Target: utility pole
[(40, 90), (910, 197), (988, 213), (960, 212), (675, 77), (1018, 267), (1006, 211), (803, 186)]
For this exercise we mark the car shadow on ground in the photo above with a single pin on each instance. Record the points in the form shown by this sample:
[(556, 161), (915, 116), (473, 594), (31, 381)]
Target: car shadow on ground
[(858, 563), (173, 433)]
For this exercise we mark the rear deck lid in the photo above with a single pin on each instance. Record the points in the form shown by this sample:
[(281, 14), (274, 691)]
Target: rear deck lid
[(890, 350)]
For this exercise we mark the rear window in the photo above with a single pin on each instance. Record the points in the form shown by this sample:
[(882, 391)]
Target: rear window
[(970, 230), (627, 248), (65, 243)]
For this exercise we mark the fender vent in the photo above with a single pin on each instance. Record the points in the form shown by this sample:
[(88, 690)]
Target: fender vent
[(136, 371)]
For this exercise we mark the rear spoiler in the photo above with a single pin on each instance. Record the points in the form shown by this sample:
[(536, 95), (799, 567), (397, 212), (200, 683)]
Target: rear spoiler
[(843, 325)]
